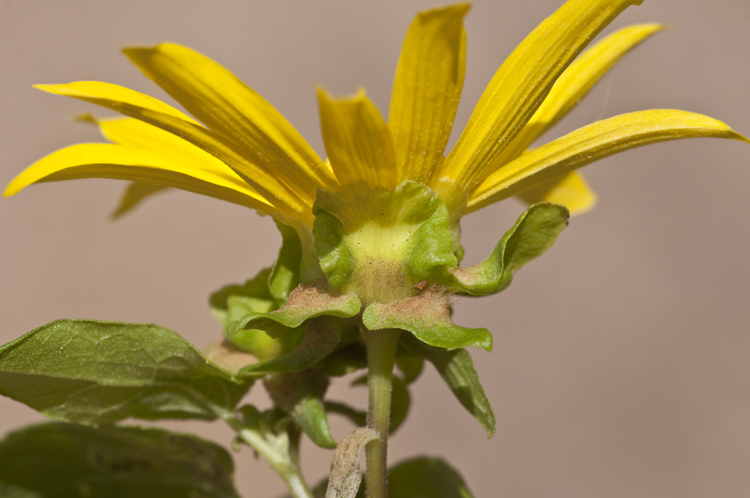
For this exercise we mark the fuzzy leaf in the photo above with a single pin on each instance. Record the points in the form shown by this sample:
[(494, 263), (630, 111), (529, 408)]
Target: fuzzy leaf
[(307, 301), (457, 370), (70, 460), (427, 316), (534, 233), (98, 372), (300, 394)]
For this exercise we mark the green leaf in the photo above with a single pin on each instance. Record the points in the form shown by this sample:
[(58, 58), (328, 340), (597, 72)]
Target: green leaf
[(97, 372), (285, 274), (378, 243), (301, 395), (426, 477), (427, 316), (70, 460), (321, 336), (534, 233), (457, 370)]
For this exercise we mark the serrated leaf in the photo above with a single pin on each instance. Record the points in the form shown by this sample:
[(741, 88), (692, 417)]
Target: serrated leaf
[(301, 395), (426, 477), (61, 460), (285, 275), (427, 316), (534, 233), (457, 370), (98, 372)]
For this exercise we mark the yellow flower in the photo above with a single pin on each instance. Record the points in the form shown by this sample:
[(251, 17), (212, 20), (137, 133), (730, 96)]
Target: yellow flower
[(240, 149)]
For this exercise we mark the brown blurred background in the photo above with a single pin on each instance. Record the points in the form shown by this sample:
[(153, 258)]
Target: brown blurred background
[(622, 357)]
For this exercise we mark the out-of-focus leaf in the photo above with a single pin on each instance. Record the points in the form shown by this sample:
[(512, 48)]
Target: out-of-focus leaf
[(69, 460), (426, 477)]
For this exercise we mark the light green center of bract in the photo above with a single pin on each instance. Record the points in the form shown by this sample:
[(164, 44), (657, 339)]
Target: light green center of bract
[(381, 244)]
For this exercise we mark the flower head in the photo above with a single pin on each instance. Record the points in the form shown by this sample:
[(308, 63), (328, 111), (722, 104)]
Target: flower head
[(379, 218)]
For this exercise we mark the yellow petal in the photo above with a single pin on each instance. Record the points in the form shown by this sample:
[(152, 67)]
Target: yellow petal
[(226, 105), (140, 135), (427, 89), (522, 83), (161, 115), (126, 163), (134, 195), (574, 84), (571, 190), (357, 140), (591, 143)]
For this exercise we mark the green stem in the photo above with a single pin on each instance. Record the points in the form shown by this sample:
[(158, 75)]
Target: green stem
[(282, 460), (381, 354)]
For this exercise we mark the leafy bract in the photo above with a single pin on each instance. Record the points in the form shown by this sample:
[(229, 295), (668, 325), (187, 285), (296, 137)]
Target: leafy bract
[(457, 370), (97, 372), (427, 316), (534, 232), (307, 301), (61, 460)]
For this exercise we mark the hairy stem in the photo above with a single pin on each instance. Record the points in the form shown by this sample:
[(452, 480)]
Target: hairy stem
[(282, 460), (381, 354)]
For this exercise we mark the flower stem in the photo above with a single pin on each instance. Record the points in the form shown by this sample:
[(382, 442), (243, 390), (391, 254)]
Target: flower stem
[(283, 461), (381, 354)]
